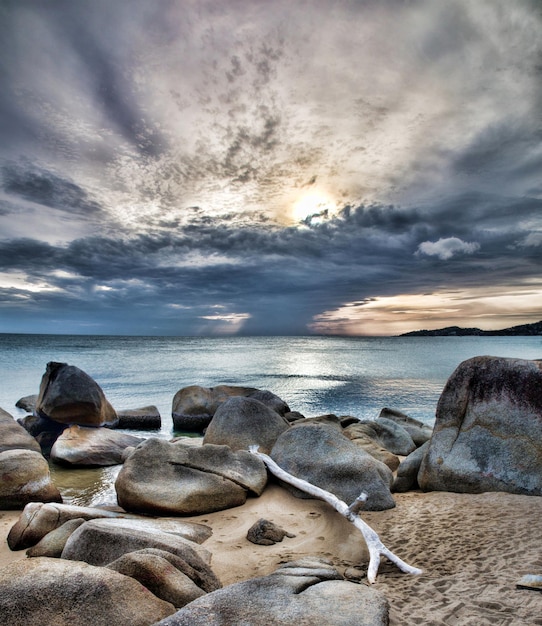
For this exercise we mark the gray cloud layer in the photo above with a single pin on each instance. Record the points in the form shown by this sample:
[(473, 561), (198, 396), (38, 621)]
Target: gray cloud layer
[(153, 153)]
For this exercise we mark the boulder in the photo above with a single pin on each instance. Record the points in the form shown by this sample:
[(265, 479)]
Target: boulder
[(388, 435), (155, 570), (145, 418), (322, 455), (240, 422), (194, 532), (28, 403), (53, 543), (44, 430), (488, 429), (53, 592), (406, 477), (70, 396), (37, 520), (419, 431), (369, 445), (193, 407), (101, 541), (163, 478), (13, 436), (25, 478), (266, 533), (309, 591), (90, 447)]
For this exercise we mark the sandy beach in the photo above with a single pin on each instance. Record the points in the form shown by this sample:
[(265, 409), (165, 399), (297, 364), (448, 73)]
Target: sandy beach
[(472, 549)]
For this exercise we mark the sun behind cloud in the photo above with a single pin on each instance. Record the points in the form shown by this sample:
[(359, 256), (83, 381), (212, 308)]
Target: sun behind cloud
[(313, 203)]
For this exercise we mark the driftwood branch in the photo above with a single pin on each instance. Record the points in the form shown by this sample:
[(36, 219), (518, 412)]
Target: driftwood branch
[(375, 546)]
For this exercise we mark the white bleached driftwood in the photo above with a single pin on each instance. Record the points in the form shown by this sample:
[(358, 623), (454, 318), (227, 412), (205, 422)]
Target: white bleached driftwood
[(375, 546)]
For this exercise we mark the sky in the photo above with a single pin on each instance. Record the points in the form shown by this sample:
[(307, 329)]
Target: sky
[(258, 167)]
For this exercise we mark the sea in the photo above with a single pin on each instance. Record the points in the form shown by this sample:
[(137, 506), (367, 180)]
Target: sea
[(315, 375)]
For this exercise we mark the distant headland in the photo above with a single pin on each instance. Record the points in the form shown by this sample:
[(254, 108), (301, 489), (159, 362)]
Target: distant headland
[(456, 331)]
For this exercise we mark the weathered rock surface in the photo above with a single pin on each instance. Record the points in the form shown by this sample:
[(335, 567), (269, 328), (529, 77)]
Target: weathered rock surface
[(309, 591), (193, 407), (13, 436), (25, 478), (44, 430), (37, 519), (320, 454), (70, 396), (388, 434), (55, 592), (419, 431), (367, 443), (101, 541), (240, 422), (406, 477), (145, 418), (155, 570), (488, 429), (90, 447), (175, 479), (53, 543), (266, 533), (27, 403)]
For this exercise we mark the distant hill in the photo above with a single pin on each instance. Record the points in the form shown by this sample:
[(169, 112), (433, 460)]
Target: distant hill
[(456, 331)]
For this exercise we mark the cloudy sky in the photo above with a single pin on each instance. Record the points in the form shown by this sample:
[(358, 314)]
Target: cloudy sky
[(202, 167)]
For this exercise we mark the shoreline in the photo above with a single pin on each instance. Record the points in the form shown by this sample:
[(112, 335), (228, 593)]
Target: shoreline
[(472, 550)]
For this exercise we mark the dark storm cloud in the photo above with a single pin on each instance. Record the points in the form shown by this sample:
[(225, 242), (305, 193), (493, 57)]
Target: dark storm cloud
[(153, 153), (40, 186), (287, 274)]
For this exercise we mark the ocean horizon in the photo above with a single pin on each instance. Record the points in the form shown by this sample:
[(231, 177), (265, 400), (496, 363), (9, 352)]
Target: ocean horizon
[(314, 374)]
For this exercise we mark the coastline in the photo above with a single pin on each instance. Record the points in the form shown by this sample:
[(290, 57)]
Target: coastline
[(472, 549)]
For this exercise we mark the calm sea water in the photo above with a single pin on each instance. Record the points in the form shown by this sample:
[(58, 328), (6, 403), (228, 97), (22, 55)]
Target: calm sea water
[(314, 375)]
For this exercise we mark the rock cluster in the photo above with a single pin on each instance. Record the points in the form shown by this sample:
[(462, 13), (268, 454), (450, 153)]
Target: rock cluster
[(129, 558), (487, 437), (24, 471)]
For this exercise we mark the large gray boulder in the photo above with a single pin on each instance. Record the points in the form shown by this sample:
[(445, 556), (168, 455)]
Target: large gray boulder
[(70, 396), (488, 429), (240, 422), (387, 434), (55, 592), (419, 431), (309, 591), (163, 478), (102, 541), (81, 446), (13, 436), (193, 407), (320, 454), (162, 573), (25, 478)]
